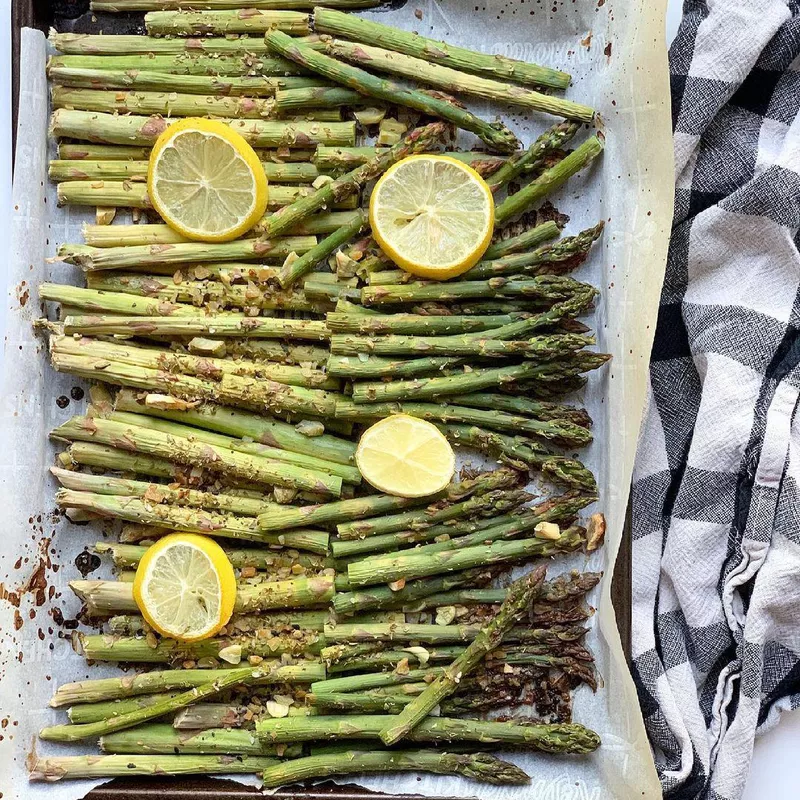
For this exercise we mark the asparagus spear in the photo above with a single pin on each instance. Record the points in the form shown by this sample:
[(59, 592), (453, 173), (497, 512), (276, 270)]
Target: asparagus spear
[(294, 270), (101, 152), (219, 23), (521, 452), (102, 689), (521, 594), (103, 73), (419, 140), (91, 258), (420, 565), (548, 181), (108, 45), (219, 326), (173, 104), (352, 27), (343, 159), (156, 5), (56, 768), (105, 598), (414, 324), (554, 738), (454, 81), (540, 348), (521, 242), (488, 504), (233, 677), (113, 129), (124, 194), (534, 157), (523, 405), (560, 431), (158, 493), (543, 287), (301, 99), (565, 255), (496, 135), (245, 425), (183, 363), (381, 597), (136, 650), (361, 507), (478, 379), (193, 453), (350, 548), (179, 518), (478, 766), (120, 170)]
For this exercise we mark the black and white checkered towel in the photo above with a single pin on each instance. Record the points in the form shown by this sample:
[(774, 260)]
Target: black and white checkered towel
[(716, 498)]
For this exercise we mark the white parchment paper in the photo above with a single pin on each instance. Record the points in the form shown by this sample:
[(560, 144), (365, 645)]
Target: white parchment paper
[(615, 52)]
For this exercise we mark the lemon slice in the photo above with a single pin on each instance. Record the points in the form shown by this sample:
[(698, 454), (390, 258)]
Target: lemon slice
[(206, 181), (185, 587), (432, 215), (405, 456)]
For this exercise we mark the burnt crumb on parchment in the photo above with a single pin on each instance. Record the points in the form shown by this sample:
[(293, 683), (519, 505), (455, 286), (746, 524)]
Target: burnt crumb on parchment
[(76, 393), (87, 562), (62, 401)]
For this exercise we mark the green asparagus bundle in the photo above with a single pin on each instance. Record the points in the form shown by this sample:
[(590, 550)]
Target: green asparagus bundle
[(494, 134)]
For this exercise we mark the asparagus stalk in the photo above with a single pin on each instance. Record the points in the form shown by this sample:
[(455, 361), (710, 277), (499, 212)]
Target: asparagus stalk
[(245, 425), (420, 565), (109, 45), (204, 367), (343, 159), (165, 5), (233, 677), (94, 712), (548, 181), (219, 326), (563, 256), (414, 324), (173, 104), (134, 649), (124, 194), (495, 135), (132, 235), (193, 453), (189, 520), (419, 140), (101, 152), (559, 431), (533, 158), (521, 594), (136, 130), (488, 504), (350, 548), (219, 23), (543, 288), (178, 57), (521, 452), (85, 170), (102, 689), (360, 507), (374, 680), (92, 258), (454, 81), (478, 766), (292, 101), (56, 768), (478, 379), (294, 270), (264, 350), (540, 348), (553, 738), (523, 405), (158, 493), (361, 30), (114, 303), (382, 597), (523, 241), (104, 598), (365, 703)]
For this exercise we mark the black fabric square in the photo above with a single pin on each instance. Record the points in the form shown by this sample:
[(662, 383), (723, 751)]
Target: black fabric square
[(755, 93)]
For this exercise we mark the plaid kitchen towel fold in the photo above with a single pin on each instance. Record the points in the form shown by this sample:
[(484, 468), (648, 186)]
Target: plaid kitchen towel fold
[(716, 494)]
